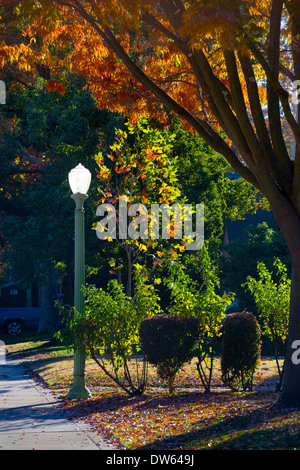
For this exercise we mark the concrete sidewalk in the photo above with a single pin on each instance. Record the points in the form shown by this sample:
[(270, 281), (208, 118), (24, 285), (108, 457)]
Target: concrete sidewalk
[(29, 418)]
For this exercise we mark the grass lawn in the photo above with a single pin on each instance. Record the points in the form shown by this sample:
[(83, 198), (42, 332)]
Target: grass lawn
[(190, 419)]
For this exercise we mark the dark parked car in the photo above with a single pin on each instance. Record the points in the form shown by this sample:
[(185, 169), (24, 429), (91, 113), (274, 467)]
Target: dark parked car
[(15, 320)]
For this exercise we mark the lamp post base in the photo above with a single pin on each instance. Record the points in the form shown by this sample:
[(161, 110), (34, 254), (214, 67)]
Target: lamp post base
[(78, 391)]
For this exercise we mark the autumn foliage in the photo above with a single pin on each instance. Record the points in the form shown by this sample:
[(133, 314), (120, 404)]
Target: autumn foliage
[(225, 68)]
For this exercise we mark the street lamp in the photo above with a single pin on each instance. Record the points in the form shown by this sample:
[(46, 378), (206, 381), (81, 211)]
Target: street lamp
[(79, 180)]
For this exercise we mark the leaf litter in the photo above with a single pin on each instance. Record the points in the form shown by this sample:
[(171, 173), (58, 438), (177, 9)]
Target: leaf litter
[(189, 419)]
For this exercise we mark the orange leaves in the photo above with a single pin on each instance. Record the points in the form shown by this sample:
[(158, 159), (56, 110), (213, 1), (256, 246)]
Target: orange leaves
[(150, 154), (99, 159), (74, 34), (104, 174), (191, 419), (55, 85)]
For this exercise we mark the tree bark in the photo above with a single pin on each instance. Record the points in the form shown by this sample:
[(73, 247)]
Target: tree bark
[(290, 396), (47, 297), (289, 223)]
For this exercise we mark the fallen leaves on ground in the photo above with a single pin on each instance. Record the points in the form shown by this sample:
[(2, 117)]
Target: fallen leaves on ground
[(190, 419)]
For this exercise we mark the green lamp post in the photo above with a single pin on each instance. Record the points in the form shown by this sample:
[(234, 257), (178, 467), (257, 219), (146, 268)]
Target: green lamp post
[(79, 180)]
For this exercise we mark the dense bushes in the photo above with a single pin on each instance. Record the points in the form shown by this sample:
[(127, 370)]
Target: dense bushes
[(167, 342), (240, 350), (114, 329)]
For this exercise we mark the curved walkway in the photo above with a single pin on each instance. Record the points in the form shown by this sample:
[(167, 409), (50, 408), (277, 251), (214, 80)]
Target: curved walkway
[(31, 420)]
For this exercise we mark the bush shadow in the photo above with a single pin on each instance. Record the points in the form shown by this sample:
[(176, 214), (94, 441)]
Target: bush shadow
[(199, 438)]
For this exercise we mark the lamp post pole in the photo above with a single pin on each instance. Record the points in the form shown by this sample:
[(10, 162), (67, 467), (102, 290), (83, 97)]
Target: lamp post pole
[(79, 389)]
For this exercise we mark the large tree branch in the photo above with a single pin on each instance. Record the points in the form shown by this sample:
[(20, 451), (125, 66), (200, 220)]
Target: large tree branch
[(183, 47), (240, 107), (273, 54), (258, 117), (210, 136), (283, 94), (226, 113), (255, 104), (211, 87), (293, 8), (203, 129)]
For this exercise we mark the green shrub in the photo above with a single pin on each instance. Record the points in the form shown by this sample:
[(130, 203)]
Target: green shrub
[(241, 344), (202, 301), (167, 342), (273, 304), (108, 330)]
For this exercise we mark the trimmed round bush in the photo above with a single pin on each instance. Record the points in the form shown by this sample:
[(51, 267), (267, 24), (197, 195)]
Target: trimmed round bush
[(241, 345), (167, 342)]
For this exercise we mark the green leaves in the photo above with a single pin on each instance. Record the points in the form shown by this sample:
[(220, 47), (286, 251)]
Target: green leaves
[(240, 350), (273, 303), (201, 301), (272, 299), (109, 326)]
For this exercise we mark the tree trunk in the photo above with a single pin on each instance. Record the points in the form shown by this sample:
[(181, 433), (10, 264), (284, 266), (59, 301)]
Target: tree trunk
[(290, 396), (171, 385), (47, 297), (289, 222)]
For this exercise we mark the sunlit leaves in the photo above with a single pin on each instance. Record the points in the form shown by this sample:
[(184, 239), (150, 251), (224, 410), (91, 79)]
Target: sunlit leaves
[(188, 298), (142, 169), (109, 326), (272, 299)]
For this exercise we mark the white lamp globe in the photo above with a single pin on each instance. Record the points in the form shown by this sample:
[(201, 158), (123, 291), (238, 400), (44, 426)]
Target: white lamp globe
[(79, 179)]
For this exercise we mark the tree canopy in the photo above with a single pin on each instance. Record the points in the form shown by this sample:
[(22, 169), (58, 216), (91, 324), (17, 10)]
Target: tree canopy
[(216, 64)]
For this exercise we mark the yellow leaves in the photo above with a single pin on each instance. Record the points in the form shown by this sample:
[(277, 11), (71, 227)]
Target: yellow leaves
[(180, 247), (212, 21), (104, 173), (141, 247), (99, 158), (165, 188)]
